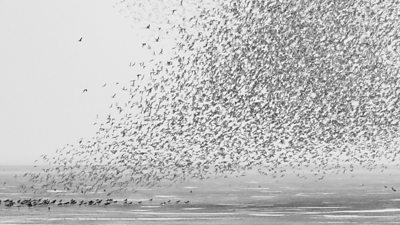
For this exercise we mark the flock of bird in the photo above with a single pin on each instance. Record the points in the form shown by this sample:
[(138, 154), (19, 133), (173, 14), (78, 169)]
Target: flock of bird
[(276, 86), (45, 202)]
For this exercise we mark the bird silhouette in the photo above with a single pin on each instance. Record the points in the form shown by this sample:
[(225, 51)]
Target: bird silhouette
[(240, 90)]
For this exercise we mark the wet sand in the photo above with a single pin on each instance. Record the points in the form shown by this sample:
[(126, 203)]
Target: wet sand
[(253, 199)]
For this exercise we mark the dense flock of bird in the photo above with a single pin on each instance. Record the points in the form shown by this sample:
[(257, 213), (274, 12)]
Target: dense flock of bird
[(235, 85), (47, 202)]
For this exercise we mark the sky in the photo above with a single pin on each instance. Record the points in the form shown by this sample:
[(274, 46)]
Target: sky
[(44, 69)]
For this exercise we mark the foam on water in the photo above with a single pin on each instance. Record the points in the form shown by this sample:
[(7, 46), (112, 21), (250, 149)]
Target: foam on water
[(235, 204), (309, 213), (257, 188), (11, 193), (266, 214), (379, 193), (354, 216), (369, 211), (262, 196), (328, 193), (265, 191), (71, 193), (165, 196), (253, 182), (338, 222), (322, 207), (73, 214), (109, 211), (302, 195), (151, 206)]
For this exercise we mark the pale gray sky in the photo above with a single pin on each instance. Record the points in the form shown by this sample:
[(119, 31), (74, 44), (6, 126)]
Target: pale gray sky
[(43, 70)]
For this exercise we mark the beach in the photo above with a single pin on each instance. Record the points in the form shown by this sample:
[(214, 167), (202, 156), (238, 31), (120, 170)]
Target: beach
[(360, 198)]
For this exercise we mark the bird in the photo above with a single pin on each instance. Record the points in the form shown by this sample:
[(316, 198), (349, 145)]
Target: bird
[(256, 102), (84, 90), (80, 39)]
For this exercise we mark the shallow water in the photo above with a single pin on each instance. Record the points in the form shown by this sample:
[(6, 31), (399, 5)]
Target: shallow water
[(339, 199)]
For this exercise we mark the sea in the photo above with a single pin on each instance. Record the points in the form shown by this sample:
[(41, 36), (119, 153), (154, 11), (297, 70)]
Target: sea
[(361, 197)]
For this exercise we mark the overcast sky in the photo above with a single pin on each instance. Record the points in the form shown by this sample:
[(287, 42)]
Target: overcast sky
[(43, 70)]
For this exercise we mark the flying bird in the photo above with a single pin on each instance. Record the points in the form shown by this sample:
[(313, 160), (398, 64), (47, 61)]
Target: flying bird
[(235, 103)]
